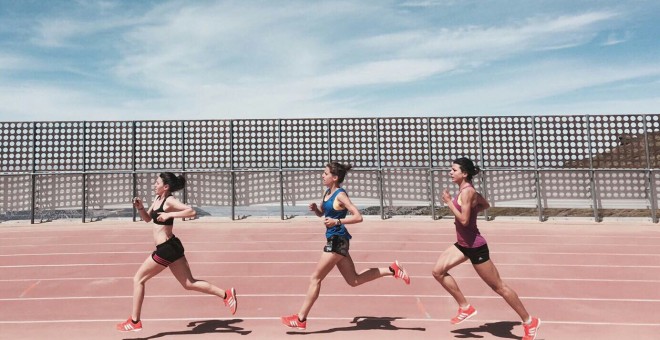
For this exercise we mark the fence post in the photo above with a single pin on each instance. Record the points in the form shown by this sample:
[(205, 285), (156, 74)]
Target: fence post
[(653, 198), (84, 175), (134, 141), (537, 175), (431, 181), (484, 179), (381, 195), (592, 177), (279, 133), (33, 175), (231, 170)]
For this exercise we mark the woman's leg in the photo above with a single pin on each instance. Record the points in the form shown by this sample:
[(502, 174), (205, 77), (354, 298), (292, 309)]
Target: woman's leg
[(325, 265), (181, 270), (488, 272), (148, 269), (449, 259), (347, 270)]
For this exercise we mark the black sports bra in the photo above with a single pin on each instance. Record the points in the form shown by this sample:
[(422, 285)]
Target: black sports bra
[(154, 214)]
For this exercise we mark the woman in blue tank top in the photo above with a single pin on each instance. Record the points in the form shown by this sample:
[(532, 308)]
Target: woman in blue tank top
[(334, 208)]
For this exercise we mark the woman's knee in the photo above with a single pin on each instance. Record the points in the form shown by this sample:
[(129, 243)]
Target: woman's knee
[(188, 284), (315, 280), (499, 287), (439, 273), (352, 281), (139, 279)]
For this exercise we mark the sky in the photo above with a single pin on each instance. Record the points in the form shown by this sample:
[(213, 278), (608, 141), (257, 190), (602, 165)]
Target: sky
[(182, 60)]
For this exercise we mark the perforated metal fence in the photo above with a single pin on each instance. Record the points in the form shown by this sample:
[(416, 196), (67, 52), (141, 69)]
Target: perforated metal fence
[(92, 169)]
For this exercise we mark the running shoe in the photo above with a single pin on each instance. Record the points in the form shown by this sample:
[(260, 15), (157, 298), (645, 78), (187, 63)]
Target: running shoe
[(129, 326), (463, 315), (400, 273), (532, 329), (293, 322), (230, 300)]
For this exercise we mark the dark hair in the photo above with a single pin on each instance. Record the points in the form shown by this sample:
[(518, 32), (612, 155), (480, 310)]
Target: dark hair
[(339, 170), (468, 167), (175, 182)]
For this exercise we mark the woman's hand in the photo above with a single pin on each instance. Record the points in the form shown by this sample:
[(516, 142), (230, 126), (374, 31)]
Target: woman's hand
[(330, 222), (162, 217), (446, 197), (315, 209), (137, 203)]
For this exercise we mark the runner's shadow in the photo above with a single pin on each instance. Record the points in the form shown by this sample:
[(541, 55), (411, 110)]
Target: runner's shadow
[(500, 329), (365, 323), (203, 327)]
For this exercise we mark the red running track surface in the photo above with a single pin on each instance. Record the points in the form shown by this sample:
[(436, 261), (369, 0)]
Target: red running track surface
[(585, 280)]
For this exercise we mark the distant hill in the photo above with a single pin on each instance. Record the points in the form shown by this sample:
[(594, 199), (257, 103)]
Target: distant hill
[(627, 151)]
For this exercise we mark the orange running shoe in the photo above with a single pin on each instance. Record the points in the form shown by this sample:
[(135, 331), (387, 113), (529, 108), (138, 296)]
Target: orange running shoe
[(400, 273), (532, 329), (230, 300), (293, 322), (129, 326), (463, 315)]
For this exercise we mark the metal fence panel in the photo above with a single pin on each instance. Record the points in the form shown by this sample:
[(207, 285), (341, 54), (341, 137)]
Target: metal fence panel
[(93, 168)]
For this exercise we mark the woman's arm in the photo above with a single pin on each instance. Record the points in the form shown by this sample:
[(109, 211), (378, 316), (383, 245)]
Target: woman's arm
[(144, 214), (315, 209), (482, 203), (176, 209), (354, 217), (468, 196)]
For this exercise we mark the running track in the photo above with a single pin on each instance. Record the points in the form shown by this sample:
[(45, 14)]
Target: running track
[(586, 280)]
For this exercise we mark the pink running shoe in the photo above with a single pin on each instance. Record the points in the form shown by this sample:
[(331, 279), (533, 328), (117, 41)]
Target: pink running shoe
[(463, 315), (230, 300), (129, 326), (293, 322), (532, 329), (400, 273)]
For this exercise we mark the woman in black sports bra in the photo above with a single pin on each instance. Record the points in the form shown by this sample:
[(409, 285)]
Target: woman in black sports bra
[(169, 250)]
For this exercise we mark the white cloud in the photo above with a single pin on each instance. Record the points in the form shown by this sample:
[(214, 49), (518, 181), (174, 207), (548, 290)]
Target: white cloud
[(181, 60)]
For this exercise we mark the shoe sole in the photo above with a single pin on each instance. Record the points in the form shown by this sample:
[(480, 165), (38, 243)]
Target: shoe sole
[(468, 317), (129, 330)]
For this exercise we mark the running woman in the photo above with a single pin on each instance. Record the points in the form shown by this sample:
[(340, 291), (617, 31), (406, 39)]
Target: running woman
[(471, 245), (334, 208), (169, 250)]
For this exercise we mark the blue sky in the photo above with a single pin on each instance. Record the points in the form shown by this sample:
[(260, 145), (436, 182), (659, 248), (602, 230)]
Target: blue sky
[(133, 60)]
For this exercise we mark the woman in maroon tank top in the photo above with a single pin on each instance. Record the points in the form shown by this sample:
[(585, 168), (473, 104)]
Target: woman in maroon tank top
[(471, 245)]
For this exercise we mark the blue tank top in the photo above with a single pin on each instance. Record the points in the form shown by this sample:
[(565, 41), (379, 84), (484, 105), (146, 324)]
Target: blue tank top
[(330, 212)]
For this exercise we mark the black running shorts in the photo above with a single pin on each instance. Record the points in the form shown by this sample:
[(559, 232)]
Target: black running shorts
[(337, 244), (168, 251), (476, 255)]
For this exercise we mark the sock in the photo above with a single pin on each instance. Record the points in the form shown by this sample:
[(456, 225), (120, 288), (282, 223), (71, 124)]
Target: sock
[(528, 321), (392, 270), (466, 307), (303, 320), (135, 322)]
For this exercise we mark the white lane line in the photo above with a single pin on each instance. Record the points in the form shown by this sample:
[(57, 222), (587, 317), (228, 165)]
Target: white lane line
[(277, 318), (429, 277), (499, 264), (261, 296)]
